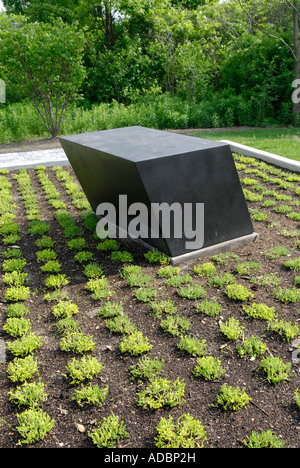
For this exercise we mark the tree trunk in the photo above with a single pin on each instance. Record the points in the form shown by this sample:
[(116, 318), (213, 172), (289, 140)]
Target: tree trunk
[(296, 105)]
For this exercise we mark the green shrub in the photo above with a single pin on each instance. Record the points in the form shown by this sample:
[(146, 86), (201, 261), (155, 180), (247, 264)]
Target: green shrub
[(192, 292), (90, 395), (252, 347), (76, 342), (247, 268), (284, 329), (175, 325), (192, 346), (122, 257), (154, 256), (46, 255), (237, 292), (135, 344), (64, 309), (162, 392), (22, 369), (260, 311), (206, 269), (56, 281), (121, 324), (293, 264), (53, 266), (110, 431), (209, 368), (287, 295), (17, 326), (111, 309), (210, 308), (33, 426), (167, 307), (17, 310), (146, 368), (17, 293), (232, 398), (26, 345), (264, 439), (79, 370), (231, 329), (186, 433), (29, 394), (275, 370)]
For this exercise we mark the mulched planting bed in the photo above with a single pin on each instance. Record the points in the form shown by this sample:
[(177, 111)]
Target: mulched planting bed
[(273, 199)]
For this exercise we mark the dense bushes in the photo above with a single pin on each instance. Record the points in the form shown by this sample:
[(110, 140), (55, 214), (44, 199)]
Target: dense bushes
[(20, 121)]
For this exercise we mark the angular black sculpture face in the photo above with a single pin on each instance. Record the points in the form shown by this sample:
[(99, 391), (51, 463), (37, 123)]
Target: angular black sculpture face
[(152, 168)]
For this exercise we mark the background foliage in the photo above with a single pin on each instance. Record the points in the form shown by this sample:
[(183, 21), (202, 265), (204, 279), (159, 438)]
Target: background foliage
[(166, 63)]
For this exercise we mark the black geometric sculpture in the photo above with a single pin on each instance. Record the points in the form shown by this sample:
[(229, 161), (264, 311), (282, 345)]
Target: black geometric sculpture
[(191, 181)]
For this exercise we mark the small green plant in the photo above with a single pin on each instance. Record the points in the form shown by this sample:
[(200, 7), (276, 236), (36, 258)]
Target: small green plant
[(192, 292), (22, 369), (167, 307), (260, 311), (15, 278), (162, 392), (206, 269), (297, 397), (11, 253), (14, 264), (154, 256), (122, 256), (293, 264), (38, 228), (231, 329), (168, 271), (93, 270), (223, 258), (90, 395), (52, 266), (178, 280), (79, 370), (138, 280), (221, 281), (17, 310), (17, 293), (67, 325), (44, 242), (284, 329), (78, 343), (208, 307), (26, 345), (175, 325), (187, 432), (17, 326), (209, 368), (247, 268), (109, 245), (264, 439), (237, 292), (77, 244), (146, 294), (64, 309), (252, 347), (146, 368), (232, 398), (29, 394), (135, 344), (192, 345), (34, 425), (277, 252), (46, 255), (121, 324), (56, 281), (111, 309), (109, 432), (83, 256), (275, 370), (286, 295)]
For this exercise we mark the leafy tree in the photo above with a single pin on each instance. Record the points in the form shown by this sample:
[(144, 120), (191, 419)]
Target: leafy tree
[(44, 62)]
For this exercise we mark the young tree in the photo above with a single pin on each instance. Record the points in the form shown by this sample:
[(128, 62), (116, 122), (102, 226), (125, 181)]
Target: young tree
[(261, 22), (45, 62)]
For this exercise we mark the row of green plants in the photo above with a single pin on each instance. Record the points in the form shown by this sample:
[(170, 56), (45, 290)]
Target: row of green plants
[(158, 390), (33, 423)]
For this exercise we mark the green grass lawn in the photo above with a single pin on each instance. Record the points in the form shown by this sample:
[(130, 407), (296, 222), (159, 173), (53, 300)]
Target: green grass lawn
[(283, 142)]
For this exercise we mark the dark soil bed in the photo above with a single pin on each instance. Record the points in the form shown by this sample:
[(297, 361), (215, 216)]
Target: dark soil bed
[(272, 407)]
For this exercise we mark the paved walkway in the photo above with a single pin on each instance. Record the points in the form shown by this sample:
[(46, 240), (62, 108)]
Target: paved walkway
[(31, 159)]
